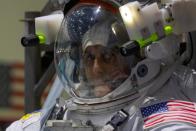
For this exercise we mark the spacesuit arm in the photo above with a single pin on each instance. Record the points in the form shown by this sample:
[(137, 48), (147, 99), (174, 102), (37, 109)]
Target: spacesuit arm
[(16, 126), (190, 85), (187, 81), (29, 122)]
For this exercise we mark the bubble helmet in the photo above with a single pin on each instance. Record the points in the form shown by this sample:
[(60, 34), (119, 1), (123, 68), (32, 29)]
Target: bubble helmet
[(87, 55)]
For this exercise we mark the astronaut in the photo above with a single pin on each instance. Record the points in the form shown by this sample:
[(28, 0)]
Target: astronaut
[(123, 70)]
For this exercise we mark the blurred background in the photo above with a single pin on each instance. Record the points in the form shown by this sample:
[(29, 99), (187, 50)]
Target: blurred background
[(12, 56)]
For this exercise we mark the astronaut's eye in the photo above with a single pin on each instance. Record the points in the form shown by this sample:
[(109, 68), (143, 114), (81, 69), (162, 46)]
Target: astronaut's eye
[(88, 58)]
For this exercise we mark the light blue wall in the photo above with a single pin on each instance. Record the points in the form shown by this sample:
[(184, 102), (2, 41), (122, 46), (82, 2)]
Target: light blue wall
[(11, 29)]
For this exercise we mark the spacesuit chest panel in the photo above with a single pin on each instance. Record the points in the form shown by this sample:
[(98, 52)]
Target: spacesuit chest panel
[(75, 121)]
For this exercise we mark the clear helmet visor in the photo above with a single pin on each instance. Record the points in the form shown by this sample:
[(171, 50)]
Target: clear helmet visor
[(87, 54)]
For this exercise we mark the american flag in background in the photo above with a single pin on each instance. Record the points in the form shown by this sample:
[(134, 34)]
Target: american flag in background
[(169, 111)]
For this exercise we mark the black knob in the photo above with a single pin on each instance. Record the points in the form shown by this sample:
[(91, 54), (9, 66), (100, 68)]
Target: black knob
[(30, 40), (130, 48)]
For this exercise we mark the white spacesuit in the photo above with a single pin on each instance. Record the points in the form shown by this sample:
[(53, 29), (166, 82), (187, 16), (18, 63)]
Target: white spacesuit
[(123, 70)]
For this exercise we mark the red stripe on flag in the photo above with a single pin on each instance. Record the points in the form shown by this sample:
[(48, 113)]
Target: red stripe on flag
[(17, 80), (169, 113), (183, 102), (17, 65), (17, 93), (180, 106), (169, 119), (180, 109), (17, 107), (21, 94), (165, 115)]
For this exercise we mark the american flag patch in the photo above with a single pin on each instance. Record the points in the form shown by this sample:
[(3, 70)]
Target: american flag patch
[(170, 111)]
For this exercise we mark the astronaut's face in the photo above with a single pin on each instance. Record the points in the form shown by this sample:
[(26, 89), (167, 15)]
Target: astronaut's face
[(105, 68)]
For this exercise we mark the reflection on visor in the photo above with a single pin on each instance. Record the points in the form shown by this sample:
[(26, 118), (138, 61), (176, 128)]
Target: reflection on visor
[(80, 20)]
